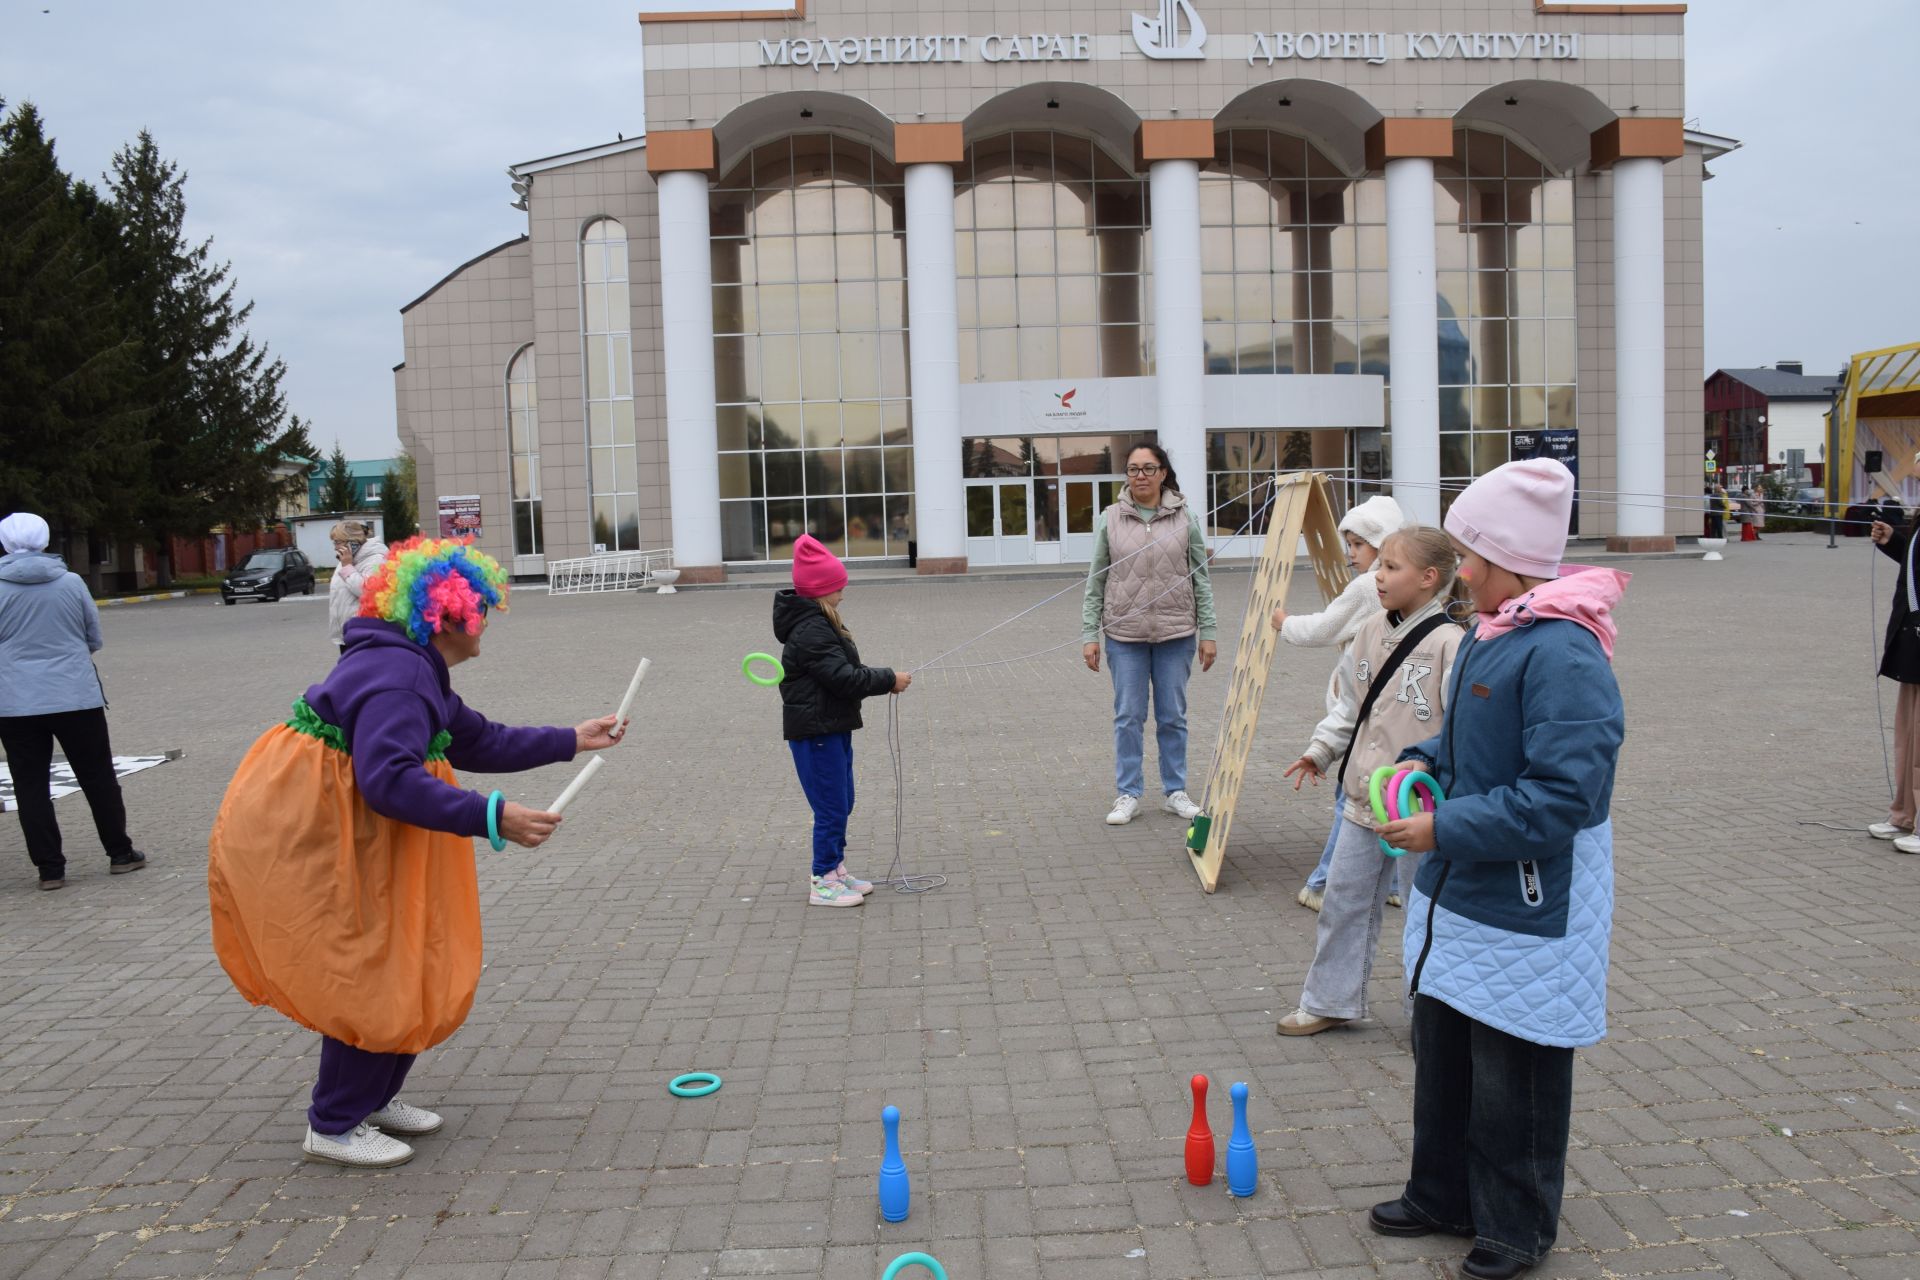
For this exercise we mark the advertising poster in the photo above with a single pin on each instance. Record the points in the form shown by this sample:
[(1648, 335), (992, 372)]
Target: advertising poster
[(1563, 446), (460, 515)]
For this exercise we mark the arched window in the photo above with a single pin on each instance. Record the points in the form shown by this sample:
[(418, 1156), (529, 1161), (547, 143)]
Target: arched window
[(1508, 336), (810, 351), (607, 357), (523, 449), (1051, 261), (1293, 260)]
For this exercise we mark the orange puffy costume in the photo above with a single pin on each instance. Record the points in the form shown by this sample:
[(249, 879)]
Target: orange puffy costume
[(353, 925), (341, 868)]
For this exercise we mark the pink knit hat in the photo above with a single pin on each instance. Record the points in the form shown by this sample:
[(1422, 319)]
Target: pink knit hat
[(1516, 516), (816, 571)]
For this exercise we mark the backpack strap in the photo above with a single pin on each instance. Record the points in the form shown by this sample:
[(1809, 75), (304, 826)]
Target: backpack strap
[(1379, 681)]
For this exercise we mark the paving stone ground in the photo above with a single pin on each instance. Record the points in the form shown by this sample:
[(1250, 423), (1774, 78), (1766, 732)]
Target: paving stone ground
[(1755, 1113)]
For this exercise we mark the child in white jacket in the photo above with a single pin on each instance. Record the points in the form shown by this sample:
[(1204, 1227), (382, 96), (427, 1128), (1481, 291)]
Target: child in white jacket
[(1363, 530)]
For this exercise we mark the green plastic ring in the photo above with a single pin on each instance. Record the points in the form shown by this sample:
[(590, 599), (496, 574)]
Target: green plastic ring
[(705, 1083), (1374, 784), (495, 803), (765, 682), (906, 1260)]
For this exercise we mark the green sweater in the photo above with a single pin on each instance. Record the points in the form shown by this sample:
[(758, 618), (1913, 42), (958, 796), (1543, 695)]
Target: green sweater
[(1096, 601)]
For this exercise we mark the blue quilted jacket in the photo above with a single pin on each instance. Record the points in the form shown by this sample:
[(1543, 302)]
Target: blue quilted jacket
[(1510, 914)]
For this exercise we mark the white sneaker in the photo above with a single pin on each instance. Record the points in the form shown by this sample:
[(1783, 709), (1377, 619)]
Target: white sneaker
[(1908, 844), (1887, 831), (1181, 803), (365, 1148), (1123, 810), (398, 1117), (828, 892)]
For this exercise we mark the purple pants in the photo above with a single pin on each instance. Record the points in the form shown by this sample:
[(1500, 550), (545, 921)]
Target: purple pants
[(353, 1084)]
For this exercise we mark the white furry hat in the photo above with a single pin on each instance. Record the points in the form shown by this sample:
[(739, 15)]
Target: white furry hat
[(1374, 519)]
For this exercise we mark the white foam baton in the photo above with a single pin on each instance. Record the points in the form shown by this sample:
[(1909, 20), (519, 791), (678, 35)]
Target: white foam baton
[(579, 781), (626, 703)]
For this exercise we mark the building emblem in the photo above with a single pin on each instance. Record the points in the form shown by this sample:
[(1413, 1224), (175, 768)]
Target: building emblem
[(1161, 36)]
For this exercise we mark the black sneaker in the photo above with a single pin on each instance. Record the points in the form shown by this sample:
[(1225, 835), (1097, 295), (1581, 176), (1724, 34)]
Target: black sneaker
[(132, 862)]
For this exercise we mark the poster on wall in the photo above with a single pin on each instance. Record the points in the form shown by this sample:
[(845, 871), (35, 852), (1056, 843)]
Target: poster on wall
[(1563, 446), (460, 515)]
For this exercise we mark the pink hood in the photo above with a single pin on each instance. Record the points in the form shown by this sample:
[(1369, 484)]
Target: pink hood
[(1581, 594)]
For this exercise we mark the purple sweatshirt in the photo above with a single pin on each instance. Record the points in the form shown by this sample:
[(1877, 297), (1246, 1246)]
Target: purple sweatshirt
[(390, 696)]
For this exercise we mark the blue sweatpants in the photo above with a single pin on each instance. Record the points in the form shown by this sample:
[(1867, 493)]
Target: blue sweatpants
[(825, 766)]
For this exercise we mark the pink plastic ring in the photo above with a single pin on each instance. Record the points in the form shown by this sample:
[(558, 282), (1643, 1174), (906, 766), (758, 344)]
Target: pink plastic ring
[(1391, 793)]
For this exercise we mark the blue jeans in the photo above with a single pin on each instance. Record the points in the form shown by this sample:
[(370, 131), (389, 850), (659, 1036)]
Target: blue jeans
[(1165, 666), (1491, 1115), (825, 766)]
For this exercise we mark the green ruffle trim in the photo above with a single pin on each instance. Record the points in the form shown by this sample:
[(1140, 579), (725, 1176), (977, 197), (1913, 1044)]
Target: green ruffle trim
[(306, 720)]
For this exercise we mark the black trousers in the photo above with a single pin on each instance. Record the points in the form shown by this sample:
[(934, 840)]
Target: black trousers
[(1491, 1114), (83, 736)]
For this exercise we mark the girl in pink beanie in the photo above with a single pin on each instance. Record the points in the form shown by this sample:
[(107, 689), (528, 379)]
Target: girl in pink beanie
[(820, 696), (1511, 911)]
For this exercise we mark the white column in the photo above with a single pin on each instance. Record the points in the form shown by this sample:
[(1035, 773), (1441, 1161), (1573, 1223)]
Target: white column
[(1640, 345), (1413, 332), (1179, 362), (686, 322), (933, 326)]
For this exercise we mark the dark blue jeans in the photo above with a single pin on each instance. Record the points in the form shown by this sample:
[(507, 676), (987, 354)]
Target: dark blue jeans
[(825, 766), (1490, 1119)]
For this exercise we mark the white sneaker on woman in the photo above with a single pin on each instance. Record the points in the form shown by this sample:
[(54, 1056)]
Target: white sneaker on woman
[(398, 1117), (363, 1148), (1908, 844), (1123, 810), (1887, 831), (1181, 803)]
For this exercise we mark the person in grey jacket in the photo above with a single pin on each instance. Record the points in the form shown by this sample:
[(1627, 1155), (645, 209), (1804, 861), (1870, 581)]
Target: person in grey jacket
[(49, 690)]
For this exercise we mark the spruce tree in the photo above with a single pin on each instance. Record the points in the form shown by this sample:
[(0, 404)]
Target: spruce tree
[(336, 493), (399, 506), (220, 431), (71, 440)]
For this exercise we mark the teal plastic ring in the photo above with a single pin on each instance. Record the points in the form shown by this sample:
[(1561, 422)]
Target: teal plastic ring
[(495, 803), (695, 1084), (765, 682), (906, 1260)]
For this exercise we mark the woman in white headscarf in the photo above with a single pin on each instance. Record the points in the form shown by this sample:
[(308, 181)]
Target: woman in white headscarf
[(49, 630), (357, 553)]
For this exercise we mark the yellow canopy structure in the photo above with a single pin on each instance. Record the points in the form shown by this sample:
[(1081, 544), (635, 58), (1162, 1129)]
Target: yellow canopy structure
[(1878, 409)]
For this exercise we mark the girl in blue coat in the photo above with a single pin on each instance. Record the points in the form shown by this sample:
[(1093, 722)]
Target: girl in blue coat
[(1509, 919)]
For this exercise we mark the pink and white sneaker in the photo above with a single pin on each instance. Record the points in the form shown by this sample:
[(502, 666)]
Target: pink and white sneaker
[(840, 875)]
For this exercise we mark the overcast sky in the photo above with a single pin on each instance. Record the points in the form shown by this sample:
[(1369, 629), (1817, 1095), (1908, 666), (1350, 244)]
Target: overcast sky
[(344, 156)]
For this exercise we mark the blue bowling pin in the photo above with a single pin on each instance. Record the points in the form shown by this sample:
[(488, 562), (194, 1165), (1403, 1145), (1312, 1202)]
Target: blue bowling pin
[(895, 1195), (1243, 1163)]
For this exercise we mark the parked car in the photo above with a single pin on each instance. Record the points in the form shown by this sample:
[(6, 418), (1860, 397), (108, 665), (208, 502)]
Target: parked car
[(268, 575), (1808, 502)]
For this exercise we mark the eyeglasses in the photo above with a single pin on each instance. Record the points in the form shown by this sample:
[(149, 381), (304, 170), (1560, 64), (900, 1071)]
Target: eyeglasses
[(1151, 469)]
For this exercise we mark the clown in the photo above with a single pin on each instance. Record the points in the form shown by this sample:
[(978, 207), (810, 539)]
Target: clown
[(341, 869)]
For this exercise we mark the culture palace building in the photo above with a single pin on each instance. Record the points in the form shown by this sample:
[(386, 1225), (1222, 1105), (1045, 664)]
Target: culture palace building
[(914, 277)]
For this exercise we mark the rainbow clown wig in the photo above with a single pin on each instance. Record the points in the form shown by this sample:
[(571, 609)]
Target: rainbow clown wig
[(430, 584)]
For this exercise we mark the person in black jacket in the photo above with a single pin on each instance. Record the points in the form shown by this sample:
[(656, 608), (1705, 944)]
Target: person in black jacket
[(820, 696), (1901, 662)]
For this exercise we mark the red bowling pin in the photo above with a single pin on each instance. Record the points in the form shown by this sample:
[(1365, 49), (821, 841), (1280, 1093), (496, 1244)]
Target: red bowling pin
[(1199, 1138)]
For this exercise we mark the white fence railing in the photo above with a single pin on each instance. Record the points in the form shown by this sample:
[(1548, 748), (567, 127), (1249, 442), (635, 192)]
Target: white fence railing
[(608, 571)]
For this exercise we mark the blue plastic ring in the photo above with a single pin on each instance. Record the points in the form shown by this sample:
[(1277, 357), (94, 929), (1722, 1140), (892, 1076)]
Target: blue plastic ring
[(708, 1082), (906, 1260), (495, 804)]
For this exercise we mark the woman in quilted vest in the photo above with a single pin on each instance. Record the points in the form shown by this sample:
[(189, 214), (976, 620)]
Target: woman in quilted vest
[(1511, 911), (1149, 594)]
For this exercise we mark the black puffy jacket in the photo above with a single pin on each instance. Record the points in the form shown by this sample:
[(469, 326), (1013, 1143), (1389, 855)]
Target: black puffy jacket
[(825, 681), (1901, 660)]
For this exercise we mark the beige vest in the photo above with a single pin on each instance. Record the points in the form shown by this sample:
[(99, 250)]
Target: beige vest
[(1408, 710), (1149, 597)]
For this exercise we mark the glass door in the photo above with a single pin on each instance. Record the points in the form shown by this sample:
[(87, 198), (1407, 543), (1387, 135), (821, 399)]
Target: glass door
[(1000, 521), (1083, 499)]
